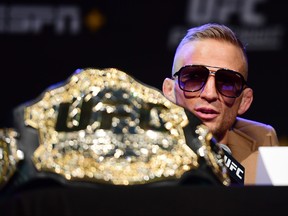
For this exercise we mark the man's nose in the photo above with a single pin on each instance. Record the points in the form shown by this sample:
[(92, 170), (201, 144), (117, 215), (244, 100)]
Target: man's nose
[(209, 90)]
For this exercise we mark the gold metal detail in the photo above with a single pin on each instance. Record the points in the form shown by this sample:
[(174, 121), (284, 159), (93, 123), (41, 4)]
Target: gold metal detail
[(10, 155), (214, 158), (104, 126)]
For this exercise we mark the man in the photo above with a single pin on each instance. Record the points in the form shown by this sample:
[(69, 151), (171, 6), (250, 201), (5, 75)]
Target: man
[(209, 78)]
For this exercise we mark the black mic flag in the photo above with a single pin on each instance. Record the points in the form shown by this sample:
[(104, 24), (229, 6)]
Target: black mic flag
[(235, 169)]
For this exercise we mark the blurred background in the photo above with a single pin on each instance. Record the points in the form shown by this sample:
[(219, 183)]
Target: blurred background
[(43, 43)]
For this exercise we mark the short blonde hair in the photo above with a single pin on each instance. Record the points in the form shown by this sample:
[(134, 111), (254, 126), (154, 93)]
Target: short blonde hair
[(214, 31)]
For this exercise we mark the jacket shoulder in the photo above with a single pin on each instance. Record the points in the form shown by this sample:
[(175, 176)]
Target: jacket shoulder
[(242, 123), (261, 132)]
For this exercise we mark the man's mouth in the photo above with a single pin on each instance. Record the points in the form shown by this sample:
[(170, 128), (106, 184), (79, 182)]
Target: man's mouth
[(206, 114)]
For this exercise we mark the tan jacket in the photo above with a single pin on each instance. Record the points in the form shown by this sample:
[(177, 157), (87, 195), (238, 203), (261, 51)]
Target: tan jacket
[(244, 139)]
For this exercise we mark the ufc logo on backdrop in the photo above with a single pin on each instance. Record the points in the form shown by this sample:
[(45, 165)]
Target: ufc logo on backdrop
[(201, 11)]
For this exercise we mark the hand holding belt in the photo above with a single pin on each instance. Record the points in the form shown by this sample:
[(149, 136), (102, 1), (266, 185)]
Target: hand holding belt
[(103, 126)]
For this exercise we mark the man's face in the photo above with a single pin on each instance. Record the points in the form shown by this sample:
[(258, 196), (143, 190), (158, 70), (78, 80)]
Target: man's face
[(215, 110)]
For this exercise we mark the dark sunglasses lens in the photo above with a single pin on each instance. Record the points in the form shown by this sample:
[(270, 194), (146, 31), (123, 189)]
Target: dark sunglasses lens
[(193, 78), (229, 83)]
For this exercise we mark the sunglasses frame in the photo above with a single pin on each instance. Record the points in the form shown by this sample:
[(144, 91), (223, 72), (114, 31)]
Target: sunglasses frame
[(244, 82)]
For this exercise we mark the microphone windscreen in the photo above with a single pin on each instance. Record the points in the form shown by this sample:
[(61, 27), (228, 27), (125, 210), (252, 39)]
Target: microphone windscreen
[(226, 148)]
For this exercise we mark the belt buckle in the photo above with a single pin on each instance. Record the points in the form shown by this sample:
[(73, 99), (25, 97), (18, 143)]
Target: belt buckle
[(104, 126)]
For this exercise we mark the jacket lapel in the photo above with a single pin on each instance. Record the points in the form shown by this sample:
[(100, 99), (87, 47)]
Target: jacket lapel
[(240, 144)]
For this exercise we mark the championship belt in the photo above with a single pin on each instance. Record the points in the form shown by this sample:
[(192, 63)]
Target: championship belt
[(105, 127)]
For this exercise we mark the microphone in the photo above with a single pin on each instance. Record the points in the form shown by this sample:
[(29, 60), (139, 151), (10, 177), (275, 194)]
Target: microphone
[(235, 169), (226, 148)]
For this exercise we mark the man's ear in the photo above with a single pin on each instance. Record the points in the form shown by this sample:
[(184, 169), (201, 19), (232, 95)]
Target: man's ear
[(246, 101), (168, 89)]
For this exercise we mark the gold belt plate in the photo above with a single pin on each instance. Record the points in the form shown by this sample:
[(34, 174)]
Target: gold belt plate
[(105, 126)]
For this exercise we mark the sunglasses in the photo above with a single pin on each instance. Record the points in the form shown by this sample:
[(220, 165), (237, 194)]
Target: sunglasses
[(192, 78)]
